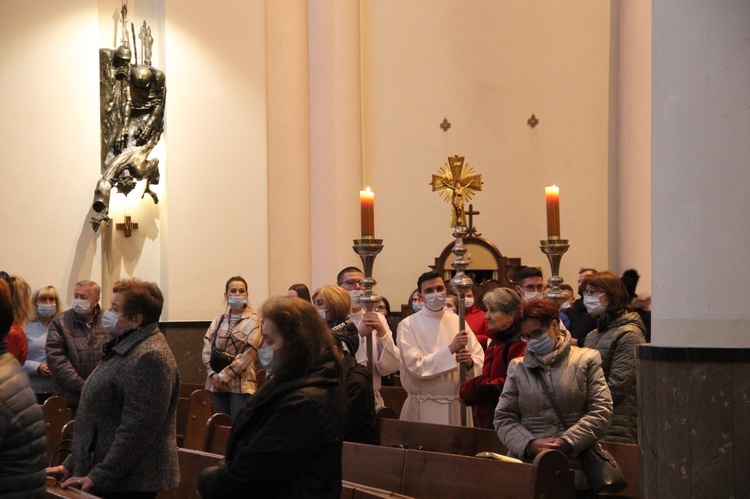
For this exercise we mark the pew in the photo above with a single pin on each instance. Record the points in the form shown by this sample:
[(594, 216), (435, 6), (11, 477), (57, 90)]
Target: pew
[(54, 491), (182, 409), (393, 397), (357, 491), (218, 428), (191, 462), (56, 414), (471, 441), (430, 474), (200, 408)]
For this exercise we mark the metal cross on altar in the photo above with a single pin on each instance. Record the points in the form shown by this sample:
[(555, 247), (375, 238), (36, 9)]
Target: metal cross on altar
[(456, 182)]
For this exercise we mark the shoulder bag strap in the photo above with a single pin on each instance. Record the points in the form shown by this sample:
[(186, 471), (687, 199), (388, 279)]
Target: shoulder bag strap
[(551, 399), (216, 332)]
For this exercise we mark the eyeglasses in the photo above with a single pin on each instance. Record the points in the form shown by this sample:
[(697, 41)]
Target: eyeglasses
[(535, 334), (380, 307), (350, 282), (531, 287)]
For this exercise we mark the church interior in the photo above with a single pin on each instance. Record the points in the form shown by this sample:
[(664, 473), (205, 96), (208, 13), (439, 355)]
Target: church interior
[(279, 112)]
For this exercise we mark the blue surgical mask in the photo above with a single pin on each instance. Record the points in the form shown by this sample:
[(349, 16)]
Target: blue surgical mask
[(541, 346), (45, 310), (268, 360), (109, 323), (417, 307), (236, 301), (81, 306)]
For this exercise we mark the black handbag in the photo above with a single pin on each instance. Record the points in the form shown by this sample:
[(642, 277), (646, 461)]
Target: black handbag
[(220, 359), (601, 469)]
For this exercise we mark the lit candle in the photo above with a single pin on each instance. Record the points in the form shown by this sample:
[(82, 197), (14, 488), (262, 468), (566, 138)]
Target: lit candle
[(553, 211), (367, 205)]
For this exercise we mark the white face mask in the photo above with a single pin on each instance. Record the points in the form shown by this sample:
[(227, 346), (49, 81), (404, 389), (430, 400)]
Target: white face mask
[(322, 313), (531, 295), (435, 301), (565, 306), (81, 306), (109, 324), (593, 305), (469, 302), (236, 301), (450, 309)]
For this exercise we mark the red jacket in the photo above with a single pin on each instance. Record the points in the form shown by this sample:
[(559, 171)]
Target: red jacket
[(483, 391), (17, 343)]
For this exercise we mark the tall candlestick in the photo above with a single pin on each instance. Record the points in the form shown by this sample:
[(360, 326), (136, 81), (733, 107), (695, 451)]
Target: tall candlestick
[(367, 205), (553, 211)]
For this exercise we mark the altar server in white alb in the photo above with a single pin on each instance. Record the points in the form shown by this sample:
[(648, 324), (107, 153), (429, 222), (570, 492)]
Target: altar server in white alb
[(431, 349)]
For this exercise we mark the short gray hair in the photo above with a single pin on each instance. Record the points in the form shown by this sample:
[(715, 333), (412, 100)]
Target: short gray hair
[(502, 299), (95, 289)]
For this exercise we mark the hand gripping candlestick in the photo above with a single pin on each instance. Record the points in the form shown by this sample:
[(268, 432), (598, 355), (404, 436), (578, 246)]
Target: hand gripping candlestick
[(368, 248), (456, 183), (553, 246)]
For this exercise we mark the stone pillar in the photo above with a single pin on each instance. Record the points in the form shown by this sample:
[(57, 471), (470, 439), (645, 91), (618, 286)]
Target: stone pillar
[(694, 381)]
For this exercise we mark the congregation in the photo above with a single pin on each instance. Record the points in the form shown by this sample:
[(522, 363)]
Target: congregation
[(305, 374)]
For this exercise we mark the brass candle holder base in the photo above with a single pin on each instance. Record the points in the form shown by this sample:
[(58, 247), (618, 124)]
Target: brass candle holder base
[(555, 249)]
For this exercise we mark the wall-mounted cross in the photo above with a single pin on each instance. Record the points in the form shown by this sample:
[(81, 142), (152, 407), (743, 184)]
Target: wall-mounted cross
[(472, 231), (129, 226)]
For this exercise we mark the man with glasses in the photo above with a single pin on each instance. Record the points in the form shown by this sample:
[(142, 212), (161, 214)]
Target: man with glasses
[(387, 359), (530, 283)]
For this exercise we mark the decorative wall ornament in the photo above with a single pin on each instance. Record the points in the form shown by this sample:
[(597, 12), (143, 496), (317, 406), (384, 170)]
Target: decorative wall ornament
[(131, 99)]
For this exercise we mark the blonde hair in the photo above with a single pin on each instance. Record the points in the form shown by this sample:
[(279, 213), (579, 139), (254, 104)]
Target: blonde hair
[(45, 291), (23, 308), (337, 300)]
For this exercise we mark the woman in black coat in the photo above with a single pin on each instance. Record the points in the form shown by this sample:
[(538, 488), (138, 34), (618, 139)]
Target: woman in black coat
[(287, 441)]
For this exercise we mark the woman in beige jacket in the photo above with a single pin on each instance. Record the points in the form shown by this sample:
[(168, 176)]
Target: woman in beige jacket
[(524, 418)]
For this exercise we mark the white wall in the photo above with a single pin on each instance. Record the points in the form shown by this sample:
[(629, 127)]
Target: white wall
[(701, 179), (486, 66)]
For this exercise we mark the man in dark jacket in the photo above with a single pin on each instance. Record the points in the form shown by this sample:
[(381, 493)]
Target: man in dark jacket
[(22, 431), (581, 322)]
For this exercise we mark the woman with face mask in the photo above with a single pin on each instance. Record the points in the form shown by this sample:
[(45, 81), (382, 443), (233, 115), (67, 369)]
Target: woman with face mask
[(229, 350), (46, 306), (288, 440), (619, 330), (334, 304), (483, 391), (125, 443), (525, 420)]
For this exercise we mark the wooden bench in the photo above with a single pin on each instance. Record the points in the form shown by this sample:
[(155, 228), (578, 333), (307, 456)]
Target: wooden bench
[(191, 462), (54, 491), (200, 408), (468, 441), (182, 409), (431, 474), (56, 414), (357, 491), (218, 428), (393, 397)]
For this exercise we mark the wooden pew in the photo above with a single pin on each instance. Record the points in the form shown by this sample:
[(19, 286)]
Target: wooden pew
[(182, 409), (431, 474), (218, 428), (393, 397), (56, 414), (357, 491), (471, 441), (192, 462), (54, 491), (200, 408)]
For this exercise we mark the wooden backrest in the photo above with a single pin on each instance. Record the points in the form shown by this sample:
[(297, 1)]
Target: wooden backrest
[(488, 441), (430, 437), (626, 456), (56, 414), (393, 397), (372, 465), (431, 474), (218, 428), (200, 408), (68, 429), (192, 462), (358, 491)]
